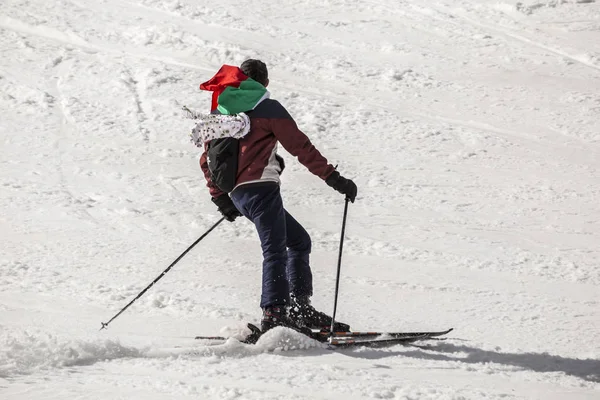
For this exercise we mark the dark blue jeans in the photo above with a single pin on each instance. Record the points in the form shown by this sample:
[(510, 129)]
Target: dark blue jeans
[(285, 243)]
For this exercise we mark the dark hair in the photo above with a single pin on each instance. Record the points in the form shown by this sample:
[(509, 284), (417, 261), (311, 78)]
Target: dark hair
[(256, 70)]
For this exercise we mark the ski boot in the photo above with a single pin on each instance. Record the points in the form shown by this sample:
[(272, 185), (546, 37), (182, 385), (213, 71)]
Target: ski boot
[(274, 316), (306, 315)]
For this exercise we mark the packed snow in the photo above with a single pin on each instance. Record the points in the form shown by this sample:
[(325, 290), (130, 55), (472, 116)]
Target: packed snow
[(472, 129)]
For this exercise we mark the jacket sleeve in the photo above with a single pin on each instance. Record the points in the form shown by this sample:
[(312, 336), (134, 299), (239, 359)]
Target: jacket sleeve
[(299, 145), (212, 188)]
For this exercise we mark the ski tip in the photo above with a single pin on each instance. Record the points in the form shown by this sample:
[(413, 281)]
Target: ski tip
[(255, 334), (441, 333), (254, 328)]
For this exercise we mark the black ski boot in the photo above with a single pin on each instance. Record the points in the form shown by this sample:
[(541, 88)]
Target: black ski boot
[(274, 316), (306, 315)]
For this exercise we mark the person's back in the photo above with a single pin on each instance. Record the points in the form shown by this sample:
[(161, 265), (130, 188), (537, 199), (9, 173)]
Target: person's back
[(271, 124)]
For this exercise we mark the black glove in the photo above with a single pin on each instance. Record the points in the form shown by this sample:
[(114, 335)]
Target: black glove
[(342, 185), (226, 207)]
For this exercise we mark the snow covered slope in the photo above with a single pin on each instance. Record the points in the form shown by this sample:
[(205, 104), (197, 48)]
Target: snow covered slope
[(472, 129)]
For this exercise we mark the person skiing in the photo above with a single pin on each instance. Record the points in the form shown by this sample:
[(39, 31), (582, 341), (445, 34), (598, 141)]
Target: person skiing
[(240, 140)]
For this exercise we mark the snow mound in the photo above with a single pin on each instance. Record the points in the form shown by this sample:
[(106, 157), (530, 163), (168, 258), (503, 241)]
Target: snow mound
[(284, 339), (276, 340), (25, 353)]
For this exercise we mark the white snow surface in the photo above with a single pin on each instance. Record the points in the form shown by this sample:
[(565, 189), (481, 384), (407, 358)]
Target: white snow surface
[(472, 129)]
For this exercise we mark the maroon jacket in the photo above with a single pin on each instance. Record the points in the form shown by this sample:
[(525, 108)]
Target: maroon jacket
[(258, 161)]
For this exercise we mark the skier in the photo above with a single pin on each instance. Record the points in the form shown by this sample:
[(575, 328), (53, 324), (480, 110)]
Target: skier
[(253, 174)]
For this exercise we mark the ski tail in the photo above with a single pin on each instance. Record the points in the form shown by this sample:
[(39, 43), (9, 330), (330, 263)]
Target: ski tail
[(210, 338), (252, 338)]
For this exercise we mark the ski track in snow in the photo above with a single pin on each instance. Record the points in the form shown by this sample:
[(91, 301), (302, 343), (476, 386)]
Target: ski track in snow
[(471, 129)]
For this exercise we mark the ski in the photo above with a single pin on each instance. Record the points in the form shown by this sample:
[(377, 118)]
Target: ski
[(349, 339), (210, 338), (373, 342), (388, 335), (379, 339)]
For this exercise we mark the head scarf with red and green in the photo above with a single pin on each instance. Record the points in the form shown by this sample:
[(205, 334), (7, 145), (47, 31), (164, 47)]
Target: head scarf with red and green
[(233, 91)]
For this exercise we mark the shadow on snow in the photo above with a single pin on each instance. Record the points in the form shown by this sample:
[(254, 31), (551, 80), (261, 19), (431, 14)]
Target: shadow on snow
[(587, 369)]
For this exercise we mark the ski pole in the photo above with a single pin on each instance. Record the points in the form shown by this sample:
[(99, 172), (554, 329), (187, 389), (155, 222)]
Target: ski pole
[(339, 268), (105, 324)]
